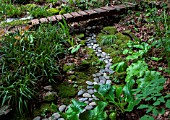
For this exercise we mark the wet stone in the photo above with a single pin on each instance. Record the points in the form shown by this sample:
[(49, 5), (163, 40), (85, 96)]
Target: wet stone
[(83, 99), (49, 87), (81, 92), (87, 102), (98, 74), (90, 87), (92, 104), (60, 118), (108, 81), (89, 83), (86, 95), (102, 78), (95, 83), (90, 91), (100, 51), (62, 108), (88, 107), (94, 75), (37, 118), (55, 116), (96, 79), (90, 99), (108, 65), (102, 81)]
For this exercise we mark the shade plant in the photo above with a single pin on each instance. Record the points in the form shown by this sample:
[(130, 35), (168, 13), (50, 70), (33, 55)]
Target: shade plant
[(26, 58)]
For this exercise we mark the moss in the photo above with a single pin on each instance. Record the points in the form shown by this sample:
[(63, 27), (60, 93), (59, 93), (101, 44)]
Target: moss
[(44, 107), (68, 67), (109, 30), (14, 23), (116, 59), (50, 96), (122, 37), (53, 11), (66, 90), (98, 38), (71, 77), (131, 34)]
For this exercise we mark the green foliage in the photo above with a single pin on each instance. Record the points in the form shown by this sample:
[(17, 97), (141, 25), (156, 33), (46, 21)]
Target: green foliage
[(113, 96), (39, 12), (98, 113), (147, 117), (140, 50), (27, 58), (119, 67), (108, 39), (74, 110)]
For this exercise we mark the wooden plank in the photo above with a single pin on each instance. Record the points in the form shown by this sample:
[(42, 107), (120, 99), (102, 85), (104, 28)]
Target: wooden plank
[(108, 8), (35, 22), (82, 13), (75, 14), (43, 20), (91, 12), (99, 10), (67, 16), (59, 17), (52, 18)]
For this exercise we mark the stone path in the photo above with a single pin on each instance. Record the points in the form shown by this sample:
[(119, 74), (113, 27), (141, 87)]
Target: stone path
[(101, 77)]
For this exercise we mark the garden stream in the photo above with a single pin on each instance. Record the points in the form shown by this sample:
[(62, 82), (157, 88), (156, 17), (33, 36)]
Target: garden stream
[(101, 77)]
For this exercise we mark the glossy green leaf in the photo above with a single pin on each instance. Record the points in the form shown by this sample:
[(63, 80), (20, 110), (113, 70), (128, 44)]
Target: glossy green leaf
[(147, 117)]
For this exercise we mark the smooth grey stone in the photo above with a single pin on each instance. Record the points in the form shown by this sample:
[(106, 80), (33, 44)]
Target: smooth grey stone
[(90, 87), (100, 51), (55, 116), (95, 90), (108, 65), (87, 102), (47, 119), (110, 60), (92, 104), (95, 83), (106, 61), (108, 81), (60, 118), (102, 78), (86, 95), (93, 27), (102, 81), (88, 107), (90, 91), (96, 79), (37, 118), (90, 99), (92, 44), (62, 108), (81, 92), (98, 54), (88, 44), (94, 35), (83, 99), (98, 74), (89, 83), (107, 57), (88, 28), (94, 75), (102, 59), (93, 96), (48, 87), (111, 71), (102, 71)]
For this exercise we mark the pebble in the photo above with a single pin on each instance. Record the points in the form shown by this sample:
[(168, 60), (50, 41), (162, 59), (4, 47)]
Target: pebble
[(90, 99), (92, 104), (90, 91), (81, 92), (62, 108), (55, 116), (86, 95), (37, 118), (49, 87), (102, 78), (88, 107), (94, 75), (87, 102), (102, 81), (60, 118), (108, 82), (108, 65), (98, 74), (89, 82), (83, 99), (90, 87), (95, 83), (96, 80)]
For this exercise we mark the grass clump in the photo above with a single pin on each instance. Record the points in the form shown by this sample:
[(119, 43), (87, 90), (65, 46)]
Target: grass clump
[(25, 59)]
